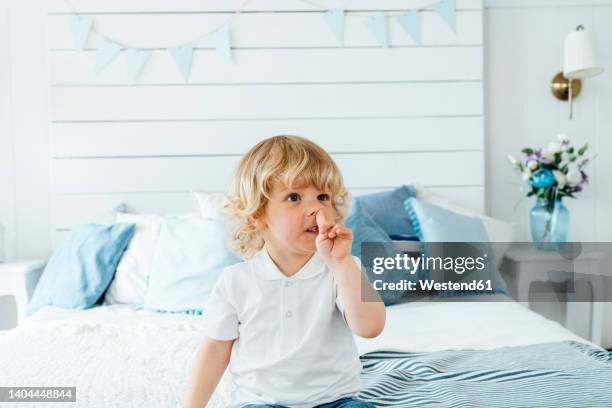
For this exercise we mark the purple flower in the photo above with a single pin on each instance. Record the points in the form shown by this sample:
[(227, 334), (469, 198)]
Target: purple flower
[(585, 178), (545, 160)]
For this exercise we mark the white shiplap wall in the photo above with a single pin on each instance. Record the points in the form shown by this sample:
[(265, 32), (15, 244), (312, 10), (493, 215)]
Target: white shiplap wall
[(524, 43), (388, 116)]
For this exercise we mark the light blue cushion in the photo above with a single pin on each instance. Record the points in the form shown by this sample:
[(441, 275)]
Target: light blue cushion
[(387, 210), (366, 230), (436, 224), (82, 267), (191, 254)]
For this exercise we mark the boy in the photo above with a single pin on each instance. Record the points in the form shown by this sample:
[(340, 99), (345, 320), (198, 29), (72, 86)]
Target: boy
[(284, 318)]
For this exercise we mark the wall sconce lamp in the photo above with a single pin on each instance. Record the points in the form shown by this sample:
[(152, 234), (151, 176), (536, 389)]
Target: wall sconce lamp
[(580, 60)]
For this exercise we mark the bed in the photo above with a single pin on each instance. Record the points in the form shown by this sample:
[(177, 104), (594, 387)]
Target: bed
[(431, 353)]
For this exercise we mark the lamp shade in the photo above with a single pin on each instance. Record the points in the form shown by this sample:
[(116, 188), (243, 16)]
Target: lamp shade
[(580, 59)]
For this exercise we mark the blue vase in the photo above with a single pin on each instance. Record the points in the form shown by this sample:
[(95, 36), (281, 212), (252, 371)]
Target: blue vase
[(549, 224)]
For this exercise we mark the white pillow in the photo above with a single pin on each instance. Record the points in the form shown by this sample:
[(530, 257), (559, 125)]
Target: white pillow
[(210, 205), (499, 231), (130, 282)]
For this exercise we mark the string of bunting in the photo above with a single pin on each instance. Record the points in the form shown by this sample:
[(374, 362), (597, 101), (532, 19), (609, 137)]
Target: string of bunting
[(219, 38)]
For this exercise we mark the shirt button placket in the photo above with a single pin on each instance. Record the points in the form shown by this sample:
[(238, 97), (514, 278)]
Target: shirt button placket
[(289, 316)]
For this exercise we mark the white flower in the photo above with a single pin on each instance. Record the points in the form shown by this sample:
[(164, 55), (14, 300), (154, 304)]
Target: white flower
[(563, 138), (532, 164), (553, 147), (526, 174), (512, 160), (565, 156), (560, 177), (574, 177)]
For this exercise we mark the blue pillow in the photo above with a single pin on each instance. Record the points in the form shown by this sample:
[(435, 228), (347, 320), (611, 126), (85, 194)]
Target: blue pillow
[(191, 254), (387, 210), (366, 230), (82, 267), (436, 224)]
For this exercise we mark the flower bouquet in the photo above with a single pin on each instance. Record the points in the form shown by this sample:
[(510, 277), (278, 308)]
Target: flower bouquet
[(551, 174)]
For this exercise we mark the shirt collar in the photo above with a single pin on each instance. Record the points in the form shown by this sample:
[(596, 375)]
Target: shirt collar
[(266, 269)]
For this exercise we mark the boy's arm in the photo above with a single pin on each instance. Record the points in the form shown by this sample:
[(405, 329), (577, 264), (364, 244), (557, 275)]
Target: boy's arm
[(210, 363), (365, 317)]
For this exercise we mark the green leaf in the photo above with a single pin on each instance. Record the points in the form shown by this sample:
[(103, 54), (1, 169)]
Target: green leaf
[(583, 149), (570, 150), (532, 192), (527, 150)]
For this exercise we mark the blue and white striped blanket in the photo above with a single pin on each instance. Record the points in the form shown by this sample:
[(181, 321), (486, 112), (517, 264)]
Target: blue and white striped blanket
[(564, 374)]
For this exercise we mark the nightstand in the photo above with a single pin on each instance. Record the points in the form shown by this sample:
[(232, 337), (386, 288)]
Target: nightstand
[(17, 282), (524, 265)]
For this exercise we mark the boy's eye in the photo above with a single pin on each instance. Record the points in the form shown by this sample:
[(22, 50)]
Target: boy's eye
[(293, 197), (324, 197)]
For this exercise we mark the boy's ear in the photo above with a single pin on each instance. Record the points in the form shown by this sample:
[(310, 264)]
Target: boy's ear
[(258, 223)]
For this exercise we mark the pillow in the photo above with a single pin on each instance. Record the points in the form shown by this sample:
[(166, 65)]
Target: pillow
[(81, 268), (387, 210), (366, 230), (210, 205), (436, 224), (498, 231), (190, 256), (130, 282)]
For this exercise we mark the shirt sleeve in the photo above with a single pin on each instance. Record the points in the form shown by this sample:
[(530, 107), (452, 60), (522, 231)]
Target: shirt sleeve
[(221, 318), (339, 302)]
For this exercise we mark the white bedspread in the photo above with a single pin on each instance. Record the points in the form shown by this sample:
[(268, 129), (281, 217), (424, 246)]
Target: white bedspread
[(117, 357), (444, 325)]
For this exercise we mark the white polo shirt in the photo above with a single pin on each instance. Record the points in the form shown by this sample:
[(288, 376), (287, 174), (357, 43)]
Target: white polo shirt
[(293, 345)]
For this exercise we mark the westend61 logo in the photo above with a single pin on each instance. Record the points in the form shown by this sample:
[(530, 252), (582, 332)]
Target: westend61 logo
[(424, 267), (409, 270)]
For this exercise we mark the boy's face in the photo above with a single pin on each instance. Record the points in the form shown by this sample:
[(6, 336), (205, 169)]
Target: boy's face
[(289, 222)]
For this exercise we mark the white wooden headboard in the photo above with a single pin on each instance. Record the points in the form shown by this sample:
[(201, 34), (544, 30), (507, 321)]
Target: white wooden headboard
[(388, 116)]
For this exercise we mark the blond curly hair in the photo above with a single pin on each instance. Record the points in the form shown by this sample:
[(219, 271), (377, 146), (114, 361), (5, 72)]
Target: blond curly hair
[(290, 160)]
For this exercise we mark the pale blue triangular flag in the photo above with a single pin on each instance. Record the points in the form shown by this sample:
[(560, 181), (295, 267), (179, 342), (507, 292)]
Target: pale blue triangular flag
[(136, 61), (107, 51), (335, 19), (221, 41), (182, 57), (377, 25), (411, 23), (80, 27), (446, 10)]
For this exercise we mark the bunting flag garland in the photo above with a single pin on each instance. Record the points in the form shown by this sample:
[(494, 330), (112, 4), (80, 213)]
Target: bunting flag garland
[(411, 23), (221, 42), (335, 19), (136, 61), (80, 27), (220, 38), (377, 25), (182, 57), (446, 10), (107, 51)]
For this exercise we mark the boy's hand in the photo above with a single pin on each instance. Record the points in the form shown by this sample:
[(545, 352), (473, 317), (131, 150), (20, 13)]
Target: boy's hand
[(334, 240)]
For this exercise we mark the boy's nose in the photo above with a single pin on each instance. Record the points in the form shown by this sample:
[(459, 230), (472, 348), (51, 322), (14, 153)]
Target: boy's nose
[(313, 208)]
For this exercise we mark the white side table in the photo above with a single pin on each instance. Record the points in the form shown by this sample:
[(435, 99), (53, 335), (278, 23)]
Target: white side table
[(18, 280), (524, 265)]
